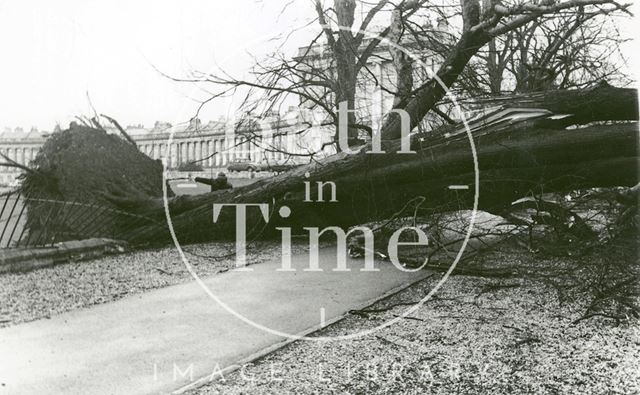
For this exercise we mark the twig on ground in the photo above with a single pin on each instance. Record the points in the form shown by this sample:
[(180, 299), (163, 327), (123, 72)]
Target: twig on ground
[(512, 327), (365, 312), (384, 339), (618, 319), (527, 340), (161, 270), (408, 317)]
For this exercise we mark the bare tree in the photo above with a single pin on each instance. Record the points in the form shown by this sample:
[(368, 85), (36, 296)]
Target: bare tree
[(574, 48), (478, 29), (327, 73)]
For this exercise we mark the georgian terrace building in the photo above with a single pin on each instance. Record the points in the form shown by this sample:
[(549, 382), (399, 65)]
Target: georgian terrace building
[(21, 147), (214, 146), (217, 144), (377, 81)]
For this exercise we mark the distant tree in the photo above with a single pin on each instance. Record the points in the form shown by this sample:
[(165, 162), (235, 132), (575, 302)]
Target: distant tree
[(512, 31), (572, 49)]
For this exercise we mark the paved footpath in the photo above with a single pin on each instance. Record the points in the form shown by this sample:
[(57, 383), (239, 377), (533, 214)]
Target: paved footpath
[(165, 339)]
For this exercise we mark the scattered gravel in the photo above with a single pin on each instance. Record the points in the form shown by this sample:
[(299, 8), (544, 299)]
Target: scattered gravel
[(479, 335), (54, 290)]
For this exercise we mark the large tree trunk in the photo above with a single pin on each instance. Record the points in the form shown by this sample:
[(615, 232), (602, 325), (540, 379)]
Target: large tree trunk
[(374, 186), (345, 59), (513, 162), (428, 95)]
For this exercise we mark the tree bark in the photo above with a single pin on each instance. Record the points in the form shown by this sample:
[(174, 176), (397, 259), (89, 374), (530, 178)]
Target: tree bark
[(375, 186), (514, 161)]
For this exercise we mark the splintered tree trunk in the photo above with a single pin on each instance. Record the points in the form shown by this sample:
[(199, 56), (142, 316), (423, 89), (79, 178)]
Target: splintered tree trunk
[(602, 103)]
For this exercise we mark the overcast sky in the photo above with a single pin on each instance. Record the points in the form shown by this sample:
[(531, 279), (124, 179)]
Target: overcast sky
[(54, 52)]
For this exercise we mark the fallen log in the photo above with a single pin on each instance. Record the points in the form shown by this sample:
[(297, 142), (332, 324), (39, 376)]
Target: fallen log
[(373, 186), (514, 161)]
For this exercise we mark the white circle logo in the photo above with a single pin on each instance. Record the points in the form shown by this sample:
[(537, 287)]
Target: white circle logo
[(284, 212)]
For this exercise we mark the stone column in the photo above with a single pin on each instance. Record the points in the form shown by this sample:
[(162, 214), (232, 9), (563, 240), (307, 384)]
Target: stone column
[(204, 149), (222, 152), (205, 153), (216, 158), (209, 153), (227, 151), (232, 149), (272, 147)]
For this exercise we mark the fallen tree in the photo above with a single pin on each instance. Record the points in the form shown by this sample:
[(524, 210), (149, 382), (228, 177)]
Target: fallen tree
[(371, 187), (514, 161)]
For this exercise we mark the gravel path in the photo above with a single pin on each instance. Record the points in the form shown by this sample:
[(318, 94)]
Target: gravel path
[(480, 335), (54, 290)]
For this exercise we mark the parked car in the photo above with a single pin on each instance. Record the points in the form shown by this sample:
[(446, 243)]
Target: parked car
[(242, 165), (278, 168)]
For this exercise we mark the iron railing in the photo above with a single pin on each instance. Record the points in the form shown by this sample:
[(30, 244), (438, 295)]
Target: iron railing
[(35, 222)]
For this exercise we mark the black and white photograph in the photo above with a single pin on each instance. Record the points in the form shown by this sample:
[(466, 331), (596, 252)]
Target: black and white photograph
[(208, 197)]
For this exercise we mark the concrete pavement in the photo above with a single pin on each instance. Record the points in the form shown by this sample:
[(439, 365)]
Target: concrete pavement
[(165, 339)]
